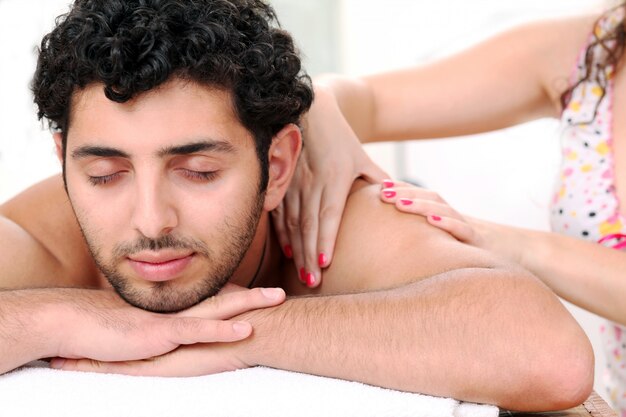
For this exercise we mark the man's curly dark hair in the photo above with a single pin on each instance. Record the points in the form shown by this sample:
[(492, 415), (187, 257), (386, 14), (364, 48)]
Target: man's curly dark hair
[(133, 46)]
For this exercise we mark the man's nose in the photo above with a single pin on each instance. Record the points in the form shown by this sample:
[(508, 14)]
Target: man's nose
[(153, 215)]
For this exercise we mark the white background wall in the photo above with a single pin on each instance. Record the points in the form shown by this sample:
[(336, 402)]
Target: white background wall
[(504, 176)]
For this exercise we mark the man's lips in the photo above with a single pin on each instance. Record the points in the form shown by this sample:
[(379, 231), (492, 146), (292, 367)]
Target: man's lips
[(159, 266)]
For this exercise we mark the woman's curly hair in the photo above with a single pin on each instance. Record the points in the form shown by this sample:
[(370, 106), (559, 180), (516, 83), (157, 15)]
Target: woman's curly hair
[(612, 43), (133, 46)]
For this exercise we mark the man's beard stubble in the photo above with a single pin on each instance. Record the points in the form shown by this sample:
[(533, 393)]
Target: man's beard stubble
[(236, 235)]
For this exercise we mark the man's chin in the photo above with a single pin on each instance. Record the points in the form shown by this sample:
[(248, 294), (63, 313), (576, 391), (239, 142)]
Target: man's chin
[(162, 298), (160, 304)]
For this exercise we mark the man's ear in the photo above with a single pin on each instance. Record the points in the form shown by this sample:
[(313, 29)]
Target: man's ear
[(58, 142), (283, 158)]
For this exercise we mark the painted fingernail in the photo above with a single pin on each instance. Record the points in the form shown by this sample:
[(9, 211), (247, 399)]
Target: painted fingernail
[(436, 218), (302, 275), (321, 260), (57, 363), (389, 193), (406, 201), (388, 183), (310, 279), (288, 251), (241, 328)]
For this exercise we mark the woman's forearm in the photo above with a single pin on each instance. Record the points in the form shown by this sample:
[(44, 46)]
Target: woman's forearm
[(584, 273), (587, 274), (351, 98)]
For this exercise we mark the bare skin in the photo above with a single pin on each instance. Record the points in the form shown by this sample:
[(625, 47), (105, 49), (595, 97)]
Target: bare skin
[(514, 77), (409, 281), (404, 305), (592, 281)]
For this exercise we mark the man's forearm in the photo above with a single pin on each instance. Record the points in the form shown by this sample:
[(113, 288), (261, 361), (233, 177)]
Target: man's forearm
[(482, 335), (27, 330)]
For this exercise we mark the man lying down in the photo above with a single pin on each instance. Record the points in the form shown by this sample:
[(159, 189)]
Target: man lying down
[(176, 123)]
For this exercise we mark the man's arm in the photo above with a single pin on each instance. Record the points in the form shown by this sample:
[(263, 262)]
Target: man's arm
[(43, 251), (99, 325), (406, 306), (444, 319)]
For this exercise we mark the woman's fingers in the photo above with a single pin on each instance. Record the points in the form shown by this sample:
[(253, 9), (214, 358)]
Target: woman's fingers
[(460, 229), (411, 199), (310, 221), (280, 227), (424, 204)]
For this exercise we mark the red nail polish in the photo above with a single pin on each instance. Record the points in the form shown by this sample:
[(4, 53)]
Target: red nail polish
[(389, 194), (406, 201), (388, 183), (288, 251), (310, 279), (321, 260), (436, 218), (302, 275)]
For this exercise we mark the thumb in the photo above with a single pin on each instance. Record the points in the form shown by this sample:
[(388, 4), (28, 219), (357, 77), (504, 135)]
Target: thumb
[(371, 172)]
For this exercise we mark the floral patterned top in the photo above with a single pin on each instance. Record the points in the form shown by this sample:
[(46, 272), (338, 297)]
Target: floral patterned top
[(585, 204)]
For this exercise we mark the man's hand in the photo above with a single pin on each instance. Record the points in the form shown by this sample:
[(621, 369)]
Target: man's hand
[(102, 327), (193, 360)]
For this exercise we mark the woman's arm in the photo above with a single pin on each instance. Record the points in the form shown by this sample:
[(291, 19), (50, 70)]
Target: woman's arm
[(516, 76), (584, 273), (510, 78)]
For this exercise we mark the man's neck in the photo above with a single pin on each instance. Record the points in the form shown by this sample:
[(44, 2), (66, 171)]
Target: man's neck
[(271, 260)]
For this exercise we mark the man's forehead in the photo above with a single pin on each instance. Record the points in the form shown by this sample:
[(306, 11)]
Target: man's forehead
[(176, 114), (92, 98)]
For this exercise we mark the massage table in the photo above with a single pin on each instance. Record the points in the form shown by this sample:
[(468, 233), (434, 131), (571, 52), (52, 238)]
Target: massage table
[(36, 390)]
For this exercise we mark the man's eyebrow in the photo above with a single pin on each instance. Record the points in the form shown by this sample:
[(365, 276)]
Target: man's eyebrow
[(101, 151), (201, 146)]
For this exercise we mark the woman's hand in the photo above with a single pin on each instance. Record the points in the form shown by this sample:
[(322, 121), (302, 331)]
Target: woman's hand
[(409, 198), (307, 221), (506, 241)]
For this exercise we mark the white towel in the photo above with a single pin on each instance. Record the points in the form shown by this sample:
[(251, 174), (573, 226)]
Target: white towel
[(37, 391)]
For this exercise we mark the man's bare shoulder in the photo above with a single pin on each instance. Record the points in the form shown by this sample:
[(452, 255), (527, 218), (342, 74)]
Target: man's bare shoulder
[(380, 247), (45, 245)]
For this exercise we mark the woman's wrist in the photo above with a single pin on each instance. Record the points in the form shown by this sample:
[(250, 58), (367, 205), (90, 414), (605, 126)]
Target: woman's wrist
[(509, 242)]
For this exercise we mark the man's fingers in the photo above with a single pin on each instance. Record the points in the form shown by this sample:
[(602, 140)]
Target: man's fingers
[(146, 367), (194, 360), (226, 305), (191, 330), (230, 288), (90, 365)]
